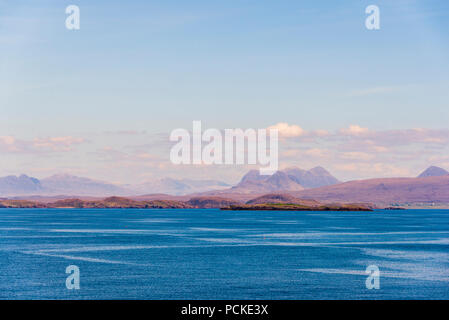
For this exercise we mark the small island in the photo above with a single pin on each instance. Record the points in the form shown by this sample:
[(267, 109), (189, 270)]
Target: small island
[(297, 207), (287, 202)]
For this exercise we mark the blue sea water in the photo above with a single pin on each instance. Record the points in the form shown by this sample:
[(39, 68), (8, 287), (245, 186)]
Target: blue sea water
[(213, 254)]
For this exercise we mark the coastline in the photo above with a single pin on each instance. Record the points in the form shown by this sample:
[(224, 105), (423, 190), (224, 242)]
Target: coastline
[(193, 203)]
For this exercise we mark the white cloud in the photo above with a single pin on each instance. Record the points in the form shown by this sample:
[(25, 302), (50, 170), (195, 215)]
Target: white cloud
[(37, 145), (288, 131), (354, 130), (316, 152), (57, 143)]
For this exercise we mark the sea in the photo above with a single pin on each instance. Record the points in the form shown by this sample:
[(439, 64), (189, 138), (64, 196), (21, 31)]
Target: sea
[(211, 254)]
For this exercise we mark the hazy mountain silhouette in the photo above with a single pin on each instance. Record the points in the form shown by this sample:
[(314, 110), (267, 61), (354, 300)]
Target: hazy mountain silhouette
[(433, 172), (23, 184), (313, 178), (432, 186), (73, 185), (253, 182), (179, 187), (65, 184)]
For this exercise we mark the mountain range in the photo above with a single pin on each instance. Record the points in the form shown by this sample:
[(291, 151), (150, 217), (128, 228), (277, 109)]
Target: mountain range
[(64, 184), (70, 185), (290, 179), (431, 186)]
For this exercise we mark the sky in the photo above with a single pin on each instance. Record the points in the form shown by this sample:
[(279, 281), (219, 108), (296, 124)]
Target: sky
[(101, 101)]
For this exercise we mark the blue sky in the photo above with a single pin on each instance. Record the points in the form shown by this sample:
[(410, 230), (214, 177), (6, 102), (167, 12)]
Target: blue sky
[(143, 68)]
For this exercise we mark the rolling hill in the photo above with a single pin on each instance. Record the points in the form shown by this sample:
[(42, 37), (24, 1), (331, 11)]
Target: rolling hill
[(384, 191)]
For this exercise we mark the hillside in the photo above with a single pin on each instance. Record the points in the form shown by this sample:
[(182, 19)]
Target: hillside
[(433, 172), (384, 191), (118, 202)]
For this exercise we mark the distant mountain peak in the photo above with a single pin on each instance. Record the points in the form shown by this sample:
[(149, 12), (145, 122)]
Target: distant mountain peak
[(319, 170), (433, 171), (281, 181), (289, 179), (253, 175), (23, 184), (313, 178)]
